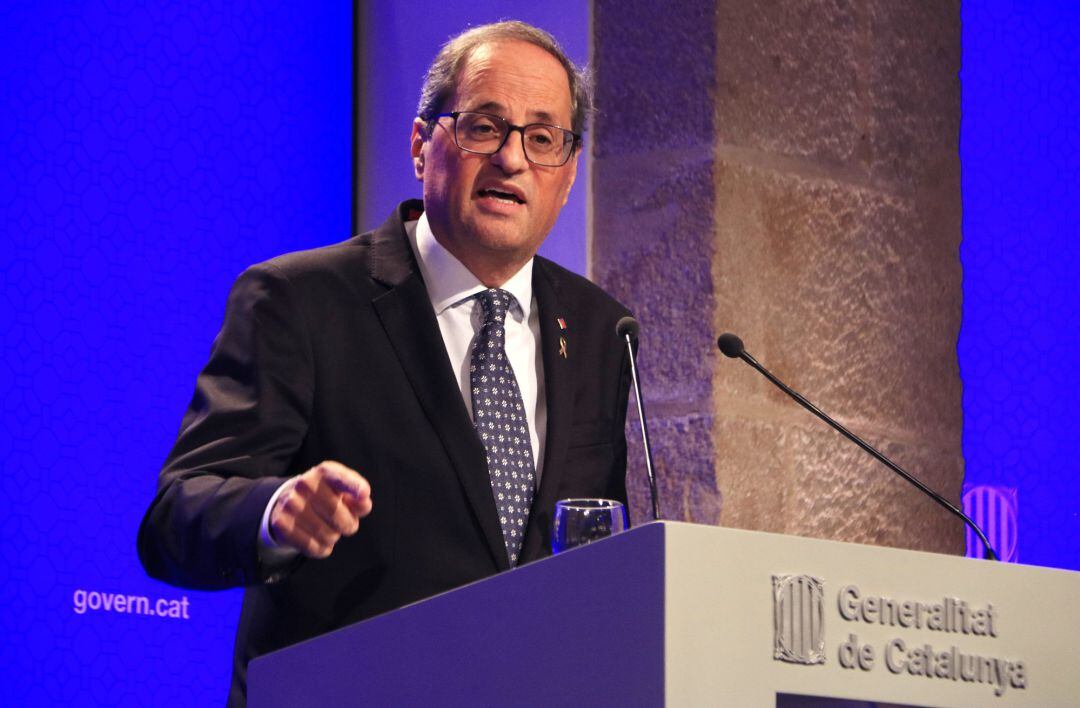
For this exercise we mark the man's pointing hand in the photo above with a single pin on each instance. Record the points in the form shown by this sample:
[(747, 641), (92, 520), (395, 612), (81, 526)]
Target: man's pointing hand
[(318, 507)]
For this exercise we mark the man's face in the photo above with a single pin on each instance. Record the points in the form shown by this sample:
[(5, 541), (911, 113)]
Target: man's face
[(491, 235)]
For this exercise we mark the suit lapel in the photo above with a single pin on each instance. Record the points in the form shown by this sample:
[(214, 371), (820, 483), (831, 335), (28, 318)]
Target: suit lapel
[(409, 321), (556, 344)]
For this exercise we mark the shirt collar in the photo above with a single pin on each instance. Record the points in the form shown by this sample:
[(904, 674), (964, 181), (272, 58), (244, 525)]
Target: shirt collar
[(449, 282)]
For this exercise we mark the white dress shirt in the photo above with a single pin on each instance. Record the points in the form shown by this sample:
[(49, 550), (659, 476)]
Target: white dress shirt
[(451, 287)]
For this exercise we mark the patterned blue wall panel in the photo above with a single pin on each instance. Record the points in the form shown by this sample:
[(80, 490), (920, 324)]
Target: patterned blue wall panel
[(148, 153), (1018, 345)]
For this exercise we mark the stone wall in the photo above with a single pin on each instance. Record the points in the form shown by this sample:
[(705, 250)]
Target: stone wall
[(788, 171)]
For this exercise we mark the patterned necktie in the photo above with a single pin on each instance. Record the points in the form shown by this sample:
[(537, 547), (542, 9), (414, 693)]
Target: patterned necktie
[(499, 417)]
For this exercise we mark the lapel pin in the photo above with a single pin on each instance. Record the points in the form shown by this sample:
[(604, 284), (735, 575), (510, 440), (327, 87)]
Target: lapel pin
[(562, 347), (562, 323)]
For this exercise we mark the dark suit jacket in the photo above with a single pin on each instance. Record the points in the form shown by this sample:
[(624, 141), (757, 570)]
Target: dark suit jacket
[(335, 353)]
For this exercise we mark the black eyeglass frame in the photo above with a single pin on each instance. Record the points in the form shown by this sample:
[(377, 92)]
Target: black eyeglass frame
[(510, 129)]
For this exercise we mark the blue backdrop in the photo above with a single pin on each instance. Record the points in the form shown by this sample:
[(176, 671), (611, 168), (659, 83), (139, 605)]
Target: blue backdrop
[(150, 152), (1019, 338)]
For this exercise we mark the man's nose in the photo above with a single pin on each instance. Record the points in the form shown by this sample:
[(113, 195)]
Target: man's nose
[(511, 156)]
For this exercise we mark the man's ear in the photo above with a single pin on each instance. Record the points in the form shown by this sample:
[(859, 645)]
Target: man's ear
[(572, 166), (417, 142)]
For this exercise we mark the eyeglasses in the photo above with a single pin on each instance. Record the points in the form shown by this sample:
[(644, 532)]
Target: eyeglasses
[(485, 134)]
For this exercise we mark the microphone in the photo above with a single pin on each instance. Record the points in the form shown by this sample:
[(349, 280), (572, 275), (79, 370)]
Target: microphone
[(732, 347), (627, 329)]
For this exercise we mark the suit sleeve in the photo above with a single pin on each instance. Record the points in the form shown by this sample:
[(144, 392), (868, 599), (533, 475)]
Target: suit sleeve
[(237, 442)]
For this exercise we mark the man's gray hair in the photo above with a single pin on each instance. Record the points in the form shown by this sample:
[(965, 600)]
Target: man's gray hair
[(442, 76)]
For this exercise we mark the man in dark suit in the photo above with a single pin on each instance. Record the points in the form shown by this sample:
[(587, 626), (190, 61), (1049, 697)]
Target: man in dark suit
[(329, 460)]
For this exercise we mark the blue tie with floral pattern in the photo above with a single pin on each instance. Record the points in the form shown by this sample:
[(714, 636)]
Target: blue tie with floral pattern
[(499, 417)]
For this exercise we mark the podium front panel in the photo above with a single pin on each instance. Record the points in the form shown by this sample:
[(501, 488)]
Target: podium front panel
[(684, 615)]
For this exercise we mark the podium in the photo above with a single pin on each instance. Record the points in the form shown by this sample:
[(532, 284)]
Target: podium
[(674, 614)]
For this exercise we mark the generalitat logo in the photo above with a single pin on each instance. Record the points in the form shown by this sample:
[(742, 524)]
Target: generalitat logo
[(799, 619)]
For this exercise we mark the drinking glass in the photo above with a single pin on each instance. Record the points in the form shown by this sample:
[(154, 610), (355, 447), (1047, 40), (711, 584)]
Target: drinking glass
[(581, 521)]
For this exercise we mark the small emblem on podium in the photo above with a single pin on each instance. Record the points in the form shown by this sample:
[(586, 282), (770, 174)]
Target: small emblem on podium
[(798, 619)]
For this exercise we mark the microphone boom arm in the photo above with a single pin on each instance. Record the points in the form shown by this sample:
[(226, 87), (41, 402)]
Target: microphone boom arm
[(739, 352), (627, 330)]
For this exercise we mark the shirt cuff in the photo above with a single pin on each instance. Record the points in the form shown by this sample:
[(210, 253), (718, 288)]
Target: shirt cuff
[(271, 553)]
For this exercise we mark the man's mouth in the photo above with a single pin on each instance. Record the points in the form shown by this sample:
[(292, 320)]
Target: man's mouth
[(502, 196)]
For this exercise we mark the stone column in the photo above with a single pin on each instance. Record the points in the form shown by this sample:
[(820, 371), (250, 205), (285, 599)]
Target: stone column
[(788, 171)]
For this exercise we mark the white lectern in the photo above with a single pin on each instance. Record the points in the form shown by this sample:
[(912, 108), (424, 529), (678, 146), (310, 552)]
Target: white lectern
[(684, 615)]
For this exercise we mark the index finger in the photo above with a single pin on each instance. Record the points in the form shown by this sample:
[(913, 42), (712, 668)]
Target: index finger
[(345, 480)]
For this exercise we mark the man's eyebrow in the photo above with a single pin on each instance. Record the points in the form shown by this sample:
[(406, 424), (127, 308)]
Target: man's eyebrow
[(499, 109)]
